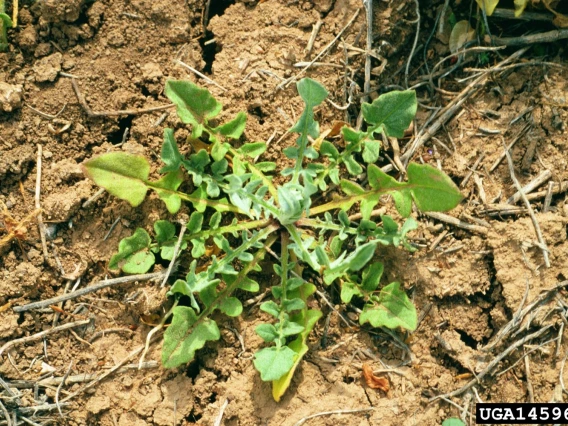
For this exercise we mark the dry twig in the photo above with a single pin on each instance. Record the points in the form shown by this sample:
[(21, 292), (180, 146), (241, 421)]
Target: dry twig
[(38, 206), (219, 418), (520, 315), (535, 223), (92, 113), (329, 413), (203, 76), (444, 115), (313, 36), (42, 334), (547, 37), (494, 362), (531, 186), (95, 287), (456, 222), (286, 82)]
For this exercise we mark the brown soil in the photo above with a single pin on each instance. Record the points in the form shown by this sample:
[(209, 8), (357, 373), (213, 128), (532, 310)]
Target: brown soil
[(467, 288)]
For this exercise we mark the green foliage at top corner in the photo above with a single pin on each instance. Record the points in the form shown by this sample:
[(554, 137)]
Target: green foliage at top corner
[(453, 421), (5, 23), (239, 212)]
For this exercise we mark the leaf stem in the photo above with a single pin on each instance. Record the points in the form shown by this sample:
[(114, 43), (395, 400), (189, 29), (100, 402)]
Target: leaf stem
[(298, 240), (284, 285), (253, 224), (319, 224), (220, 205)]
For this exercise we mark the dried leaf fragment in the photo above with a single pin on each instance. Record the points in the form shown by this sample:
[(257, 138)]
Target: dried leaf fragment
[(373, 381)]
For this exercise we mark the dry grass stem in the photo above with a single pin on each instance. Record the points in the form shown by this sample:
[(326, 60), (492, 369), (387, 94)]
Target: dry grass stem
[(92, 113), (117, 367), (175, 255), (517, 319), (456, 222), (286, 82), (197, 73), (369, 46), (95, 287), (531, 186), (313, 36), (45, 115), (535, 223), (330, 413), (546, 37), (444, 115), (472, 170), (38, 206), (219, 418), (493, 364), (42, 334), (60, 386)]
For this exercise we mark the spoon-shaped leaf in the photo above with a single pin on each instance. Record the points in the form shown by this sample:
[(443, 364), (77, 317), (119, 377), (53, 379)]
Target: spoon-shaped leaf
[(121, 174)]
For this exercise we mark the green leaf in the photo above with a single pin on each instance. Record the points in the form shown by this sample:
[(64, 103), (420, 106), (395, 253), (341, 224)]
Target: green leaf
[(133, 256), (186, 334), (348, 290), (219, 150), (313, 94), (7, 22), (356, 260), (294, 304), (165, 237), (139, 263), (353, 167), (394, 111), (291, 328), (194, 105), (195, 222), (453, 421), (180, 287), (267, 332), (361, 256), (166, 189), (270, 308), (272, 363), (249, 285), (329, 150), (372, 276), (371, 151), (253, 150), (432, 189), (309, 319), (170, 153), (265, 166), (121, 174), (234, 128), (165, 231), (231, 306), (392, 309)]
